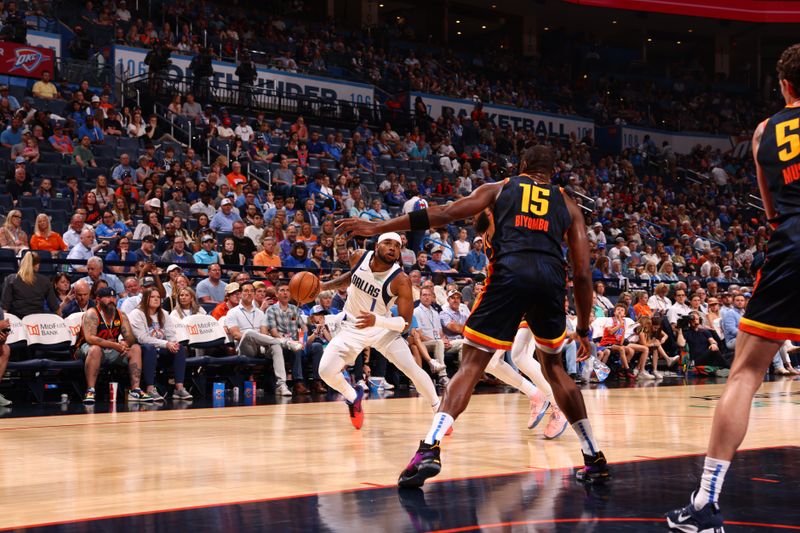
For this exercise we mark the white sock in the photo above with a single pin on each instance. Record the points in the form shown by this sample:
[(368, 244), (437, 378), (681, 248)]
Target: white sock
[(711, 483), (584, 431), (441, 423)]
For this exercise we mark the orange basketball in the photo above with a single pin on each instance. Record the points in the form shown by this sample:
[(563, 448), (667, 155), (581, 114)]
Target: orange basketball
[(304, 287)]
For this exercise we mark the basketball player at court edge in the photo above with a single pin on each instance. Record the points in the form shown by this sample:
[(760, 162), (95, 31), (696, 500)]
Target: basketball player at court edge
[(771, 316), (527, 279), (374, 284)]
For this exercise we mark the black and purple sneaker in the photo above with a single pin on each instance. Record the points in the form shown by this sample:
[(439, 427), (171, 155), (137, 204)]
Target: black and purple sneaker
[(595, 469), (424, 464)]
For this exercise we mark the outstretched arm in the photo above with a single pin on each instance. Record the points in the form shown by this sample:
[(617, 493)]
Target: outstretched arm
[(481, 198)]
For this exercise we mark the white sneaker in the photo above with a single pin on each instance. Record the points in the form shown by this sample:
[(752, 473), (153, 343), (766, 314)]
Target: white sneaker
[(4, 401), (657, 374), (292, 345), (444, 381), (282, 390), (436, 366), (644, 374), (386, 385), (781, 371)]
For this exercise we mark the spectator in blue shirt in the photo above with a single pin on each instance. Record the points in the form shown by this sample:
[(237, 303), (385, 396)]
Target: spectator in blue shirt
[(331, 150), (92, 130), (315, 146), (207, 255), (436, 264), (298, 258), (476, 260), (118, 174), (147, 252), (110, 228), (12, 134), (13, 103), (730, 321), (225, 217)]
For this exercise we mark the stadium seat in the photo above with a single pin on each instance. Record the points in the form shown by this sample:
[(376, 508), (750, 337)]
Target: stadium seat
[(8, 261), (74, 323), (46, 332), (17, 338), (204, 331)]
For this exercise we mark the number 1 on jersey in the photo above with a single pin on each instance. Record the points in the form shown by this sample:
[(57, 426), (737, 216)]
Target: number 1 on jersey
[(534, 199)]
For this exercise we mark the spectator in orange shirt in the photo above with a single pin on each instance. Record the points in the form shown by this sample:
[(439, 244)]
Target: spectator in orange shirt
[(236, 177), (267, 257), (641, 308), (44, 238), (232, 295)]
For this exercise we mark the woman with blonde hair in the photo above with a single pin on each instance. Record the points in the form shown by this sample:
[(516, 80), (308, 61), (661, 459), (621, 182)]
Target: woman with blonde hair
[(650, 271), (25, 291), (667, 272), (653, 338), (12, 236), (44, 238), (187, 305)]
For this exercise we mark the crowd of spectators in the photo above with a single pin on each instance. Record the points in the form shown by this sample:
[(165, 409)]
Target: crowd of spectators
[(138, 198), (571, 78)]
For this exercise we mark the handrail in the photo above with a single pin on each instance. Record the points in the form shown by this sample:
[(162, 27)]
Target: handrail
[(171, 120), (331, 198), (434, 241)]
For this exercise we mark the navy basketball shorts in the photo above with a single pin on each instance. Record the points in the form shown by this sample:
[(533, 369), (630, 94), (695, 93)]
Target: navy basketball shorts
[(772, 312), (532, 290)]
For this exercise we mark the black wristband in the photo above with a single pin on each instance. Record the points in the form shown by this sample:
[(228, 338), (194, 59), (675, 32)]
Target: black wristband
[(418, 220), (582, 332)]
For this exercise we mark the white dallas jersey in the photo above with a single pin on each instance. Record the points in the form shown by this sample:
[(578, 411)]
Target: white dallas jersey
[(369, 291)]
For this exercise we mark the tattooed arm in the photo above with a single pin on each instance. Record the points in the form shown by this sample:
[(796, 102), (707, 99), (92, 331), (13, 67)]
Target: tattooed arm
[(127, 330)]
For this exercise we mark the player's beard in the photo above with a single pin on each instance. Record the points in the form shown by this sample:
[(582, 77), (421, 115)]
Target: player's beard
[(109, 308), (384, 259)]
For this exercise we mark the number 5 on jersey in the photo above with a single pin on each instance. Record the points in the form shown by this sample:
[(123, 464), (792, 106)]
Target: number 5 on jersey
[(534, 199), (786, 133)]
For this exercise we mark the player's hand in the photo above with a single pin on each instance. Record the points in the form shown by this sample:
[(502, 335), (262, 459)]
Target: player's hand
[(5, 323), (173, 347), (584, 349), (365, 320), (350, 227), (122, 347)]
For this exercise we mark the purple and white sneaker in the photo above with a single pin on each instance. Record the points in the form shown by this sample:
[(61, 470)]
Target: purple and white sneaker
[(424, 464)]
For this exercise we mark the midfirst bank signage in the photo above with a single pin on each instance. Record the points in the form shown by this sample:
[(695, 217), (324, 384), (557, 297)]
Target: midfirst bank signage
[(504, 116), (130, 61)]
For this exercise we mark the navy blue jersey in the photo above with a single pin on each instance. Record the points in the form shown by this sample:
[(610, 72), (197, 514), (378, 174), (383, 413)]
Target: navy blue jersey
[(528, 217), (779, 158)]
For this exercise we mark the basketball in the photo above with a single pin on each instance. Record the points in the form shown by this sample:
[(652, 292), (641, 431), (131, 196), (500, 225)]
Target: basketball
[(304, 287)]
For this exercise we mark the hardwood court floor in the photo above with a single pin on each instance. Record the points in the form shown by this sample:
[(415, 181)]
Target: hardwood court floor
[(66, 468)]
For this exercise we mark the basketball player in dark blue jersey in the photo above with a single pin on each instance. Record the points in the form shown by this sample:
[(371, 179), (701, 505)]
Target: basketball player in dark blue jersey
[(529, 220), (771, 316)]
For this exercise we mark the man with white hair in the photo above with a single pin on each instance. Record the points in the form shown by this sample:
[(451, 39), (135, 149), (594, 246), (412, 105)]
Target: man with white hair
[(85, 249), (94, 271), (73, 235)]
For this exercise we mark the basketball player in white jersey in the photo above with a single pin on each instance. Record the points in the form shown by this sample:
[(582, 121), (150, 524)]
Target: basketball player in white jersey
[(374, 284)]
